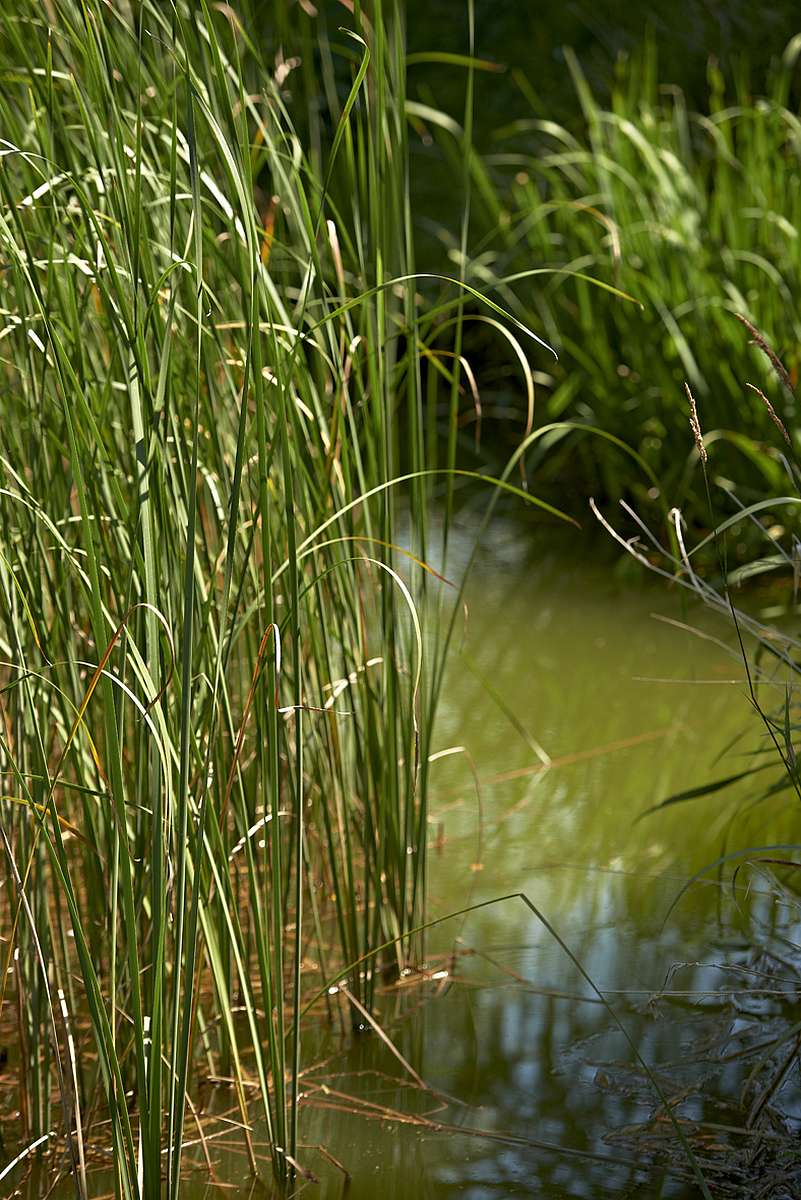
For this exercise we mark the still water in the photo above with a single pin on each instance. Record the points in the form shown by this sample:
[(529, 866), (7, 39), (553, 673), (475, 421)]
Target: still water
[(630, 695)]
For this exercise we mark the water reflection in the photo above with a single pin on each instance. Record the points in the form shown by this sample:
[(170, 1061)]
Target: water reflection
[(517, 1035)]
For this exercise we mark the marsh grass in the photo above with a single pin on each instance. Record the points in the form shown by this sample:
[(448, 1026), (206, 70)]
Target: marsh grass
[(222, 656), (693, 213)]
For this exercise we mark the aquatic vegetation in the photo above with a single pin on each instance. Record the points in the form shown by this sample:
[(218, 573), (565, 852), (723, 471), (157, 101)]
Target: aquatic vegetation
[(231, 458), (762, 765), (693, 213), (221, 382)]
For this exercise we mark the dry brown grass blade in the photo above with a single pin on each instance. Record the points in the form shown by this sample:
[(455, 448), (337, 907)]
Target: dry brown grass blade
[(374, 1025)]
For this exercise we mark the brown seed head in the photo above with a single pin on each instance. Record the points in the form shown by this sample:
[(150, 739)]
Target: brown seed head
[(695, 425), (759, 339), (774, 416)]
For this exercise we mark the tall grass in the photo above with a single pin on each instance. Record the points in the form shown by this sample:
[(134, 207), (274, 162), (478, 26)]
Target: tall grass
[(221, 379), (695, 214)]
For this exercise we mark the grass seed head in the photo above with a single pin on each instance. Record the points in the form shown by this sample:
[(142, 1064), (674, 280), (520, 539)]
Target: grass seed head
[(774, 416), (759, 339), (695, 425)]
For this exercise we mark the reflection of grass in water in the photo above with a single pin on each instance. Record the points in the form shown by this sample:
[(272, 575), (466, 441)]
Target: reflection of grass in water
[(749, 979), (766, 1121)]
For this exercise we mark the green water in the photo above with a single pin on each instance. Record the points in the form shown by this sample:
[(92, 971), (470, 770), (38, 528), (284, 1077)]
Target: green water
[(510, 1036)]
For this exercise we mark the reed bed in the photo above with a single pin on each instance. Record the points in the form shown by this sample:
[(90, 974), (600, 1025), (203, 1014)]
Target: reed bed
[(230, 403), (695, 214), (236, 412)]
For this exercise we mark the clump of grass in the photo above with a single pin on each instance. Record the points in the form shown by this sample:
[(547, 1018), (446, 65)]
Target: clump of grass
[(218, 685), (694, 214)]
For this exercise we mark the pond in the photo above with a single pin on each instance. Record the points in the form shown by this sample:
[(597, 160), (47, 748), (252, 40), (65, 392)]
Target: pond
[(607, 693)]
